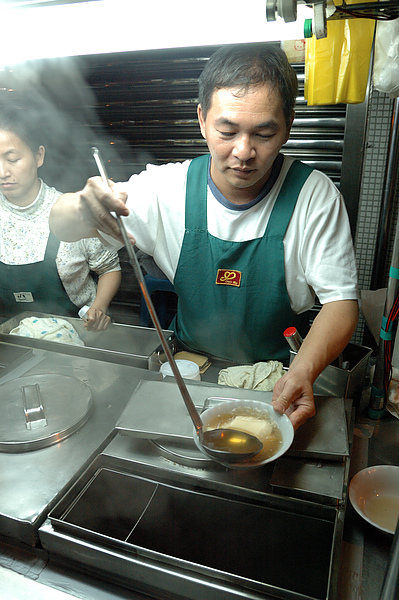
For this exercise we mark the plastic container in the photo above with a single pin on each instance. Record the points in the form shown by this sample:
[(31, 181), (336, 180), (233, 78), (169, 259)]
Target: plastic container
[(83, 312), (187, 368)]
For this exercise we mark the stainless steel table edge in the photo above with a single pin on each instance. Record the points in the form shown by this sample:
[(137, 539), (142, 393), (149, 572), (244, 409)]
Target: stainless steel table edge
[(139, 360)]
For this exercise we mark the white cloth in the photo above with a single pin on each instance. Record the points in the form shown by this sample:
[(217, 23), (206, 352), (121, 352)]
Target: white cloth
[(51, 329), (24, 233), (318, 249), (260, 376)]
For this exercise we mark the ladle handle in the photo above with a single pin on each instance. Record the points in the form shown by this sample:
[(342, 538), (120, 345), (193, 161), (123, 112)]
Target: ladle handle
[(196, 419)]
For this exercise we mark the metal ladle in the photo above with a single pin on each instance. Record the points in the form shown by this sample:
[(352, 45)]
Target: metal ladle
[(227, 445)]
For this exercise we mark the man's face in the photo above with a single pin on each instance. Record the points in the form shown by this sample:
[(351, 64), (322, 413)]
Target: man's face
[(18, 169), (244, 133)]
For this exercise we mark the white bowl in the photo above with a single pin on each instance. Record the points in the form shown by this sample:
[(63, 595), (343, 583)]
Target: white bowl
[(374, 494), (227, 406)]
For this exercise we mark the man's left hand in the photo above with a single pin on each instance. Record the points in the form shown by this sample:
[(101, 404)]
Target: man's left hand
[(293, 395)]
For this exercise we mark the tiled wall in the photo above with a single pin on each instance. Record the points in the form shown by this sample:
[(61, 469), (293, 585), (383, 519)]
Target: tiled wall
[(375, 157)]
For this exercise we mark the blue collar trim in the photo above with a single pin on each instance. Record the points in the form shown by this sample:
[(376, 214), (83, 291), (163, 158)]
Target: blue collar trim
[(275, 172)]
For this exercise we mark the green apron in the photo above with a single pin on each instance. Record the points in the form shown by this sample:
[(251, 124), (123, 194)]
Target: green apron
[(35, 287), (233, 299)]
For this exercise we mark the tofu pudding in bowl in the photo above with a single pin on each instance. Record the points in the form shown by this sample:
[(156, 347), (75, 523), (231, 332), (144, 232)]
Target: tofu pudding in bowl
[(255, 417)]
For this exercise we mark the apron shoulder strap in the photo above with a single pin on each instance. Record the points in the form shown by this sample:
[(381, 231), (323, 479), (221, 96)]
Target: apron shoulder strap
[(196, 193), (287, 198), (52, 246)]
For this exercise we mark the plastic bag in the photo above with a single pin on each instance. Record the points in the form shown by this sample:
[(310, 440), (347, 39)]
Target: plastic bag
[(386, 58), (337, 67), (295, 50)]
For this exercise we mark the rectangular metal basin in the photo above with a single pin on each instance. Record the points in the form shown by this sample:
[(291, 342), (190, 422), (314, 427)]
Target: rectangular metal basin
[(182, 537), (122, 344), (324, 436)]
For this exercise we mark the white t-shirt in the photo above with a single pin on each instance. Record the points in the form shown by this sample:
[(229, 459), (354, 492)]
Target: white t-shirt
[(318, 250), (24, 234)]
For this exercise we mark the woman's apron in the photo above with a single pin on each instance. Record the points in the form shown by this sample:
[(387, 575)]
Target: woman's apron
[(34, 287), (233, 299)]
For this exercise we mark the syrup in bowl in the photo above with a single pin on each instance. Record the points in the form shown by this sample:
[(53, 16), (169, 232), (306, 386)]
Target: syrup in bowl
[(256, 418)]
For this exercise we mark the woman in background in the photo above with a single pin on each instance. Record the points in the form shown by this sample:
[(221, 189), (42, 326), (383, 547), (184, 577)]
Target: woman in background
[(37, 272)]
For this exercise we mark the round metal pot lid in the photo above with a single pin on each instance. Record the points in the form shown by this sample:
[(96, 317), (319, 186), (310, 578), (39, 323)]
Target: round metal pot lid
[(40, 410), (187, 454)]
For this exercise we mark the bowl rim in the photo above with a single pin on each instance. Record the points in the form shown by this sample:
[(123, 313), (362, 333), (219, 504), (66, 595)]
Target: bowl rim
[(278, 417), (355, 482)]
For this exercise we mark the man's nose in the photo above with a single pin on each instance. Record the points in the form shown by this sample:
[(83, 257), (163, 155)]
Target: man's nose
[(244, 149)]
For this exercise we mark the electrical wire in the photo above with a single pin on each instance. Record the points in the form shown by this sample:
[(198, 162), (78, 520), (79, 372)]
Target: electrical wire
[(378, 11), (389, 329)]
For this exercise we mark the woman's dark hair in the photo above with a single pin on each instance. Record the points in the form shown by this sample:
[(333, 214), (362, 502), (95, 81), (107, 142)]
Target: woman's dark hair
[(246, 65), (22, 123)]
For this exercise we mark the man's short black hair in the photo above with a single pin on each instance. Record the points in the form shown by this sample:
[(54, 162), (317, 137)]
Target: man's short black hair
[(242, 66)]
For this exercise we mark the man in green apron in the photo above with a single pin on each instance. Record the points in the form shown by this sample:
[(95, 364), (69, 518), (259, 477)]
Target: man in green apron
[(246, 235)]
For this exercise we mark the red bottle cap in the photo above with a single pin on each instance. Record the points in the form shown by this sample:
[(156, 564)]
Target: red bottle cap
[(290, 331)]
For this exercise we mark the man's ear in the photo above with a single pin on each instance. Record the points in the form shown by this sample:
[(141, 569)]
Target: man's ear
[(201, 120), (289, 126)]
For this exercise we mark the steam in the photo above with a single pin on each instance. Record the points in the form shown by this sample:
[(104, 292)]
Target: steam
[(56, 95)]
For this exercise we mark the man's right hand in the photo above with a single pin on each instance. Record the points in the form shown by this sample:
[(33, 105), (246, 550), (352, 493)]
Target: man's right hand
[(88, 212)]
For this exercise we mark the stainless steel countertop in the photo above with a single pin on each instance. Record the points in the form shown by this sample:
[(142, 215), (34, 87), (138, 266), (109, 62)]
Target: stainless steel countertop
[(364, 554), (27, 572), (33, 481)]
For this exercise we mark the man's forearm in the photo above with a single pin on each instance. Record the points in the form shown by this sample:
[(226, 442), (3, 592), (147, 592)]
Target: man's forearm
[(66, 222), (330, 333), (85, 213)]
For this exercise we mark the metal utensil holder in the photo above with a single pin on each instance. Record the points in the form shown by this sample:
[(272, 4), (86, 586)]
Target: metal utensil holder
[(340, 382)]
